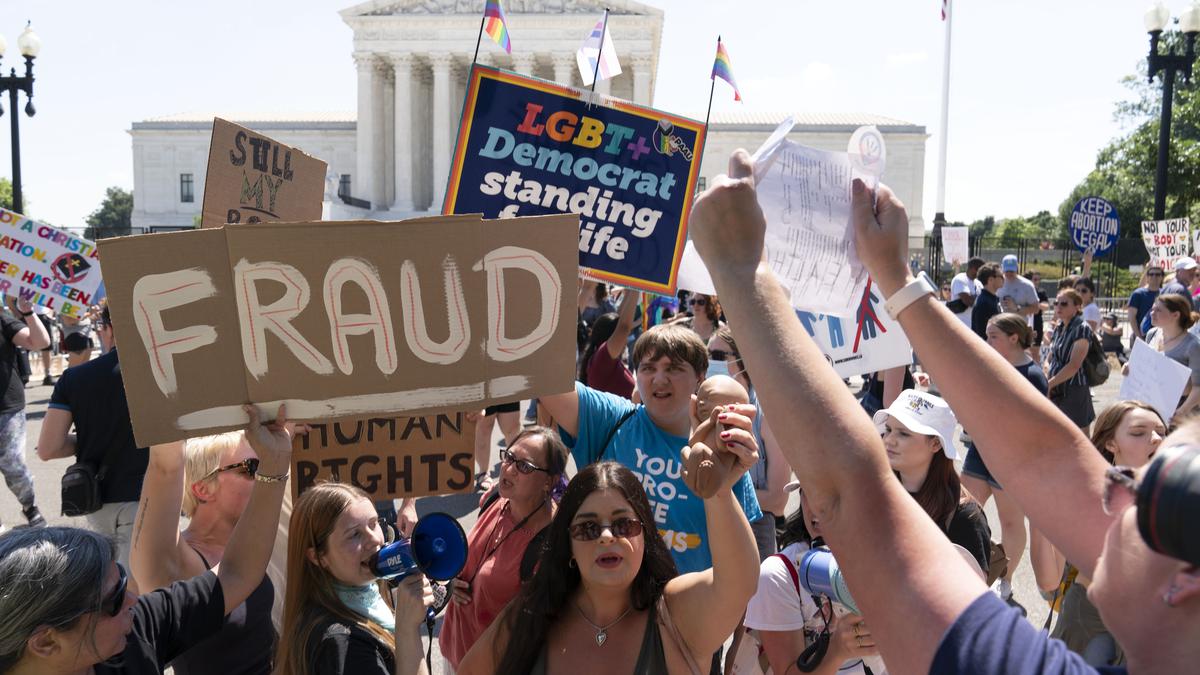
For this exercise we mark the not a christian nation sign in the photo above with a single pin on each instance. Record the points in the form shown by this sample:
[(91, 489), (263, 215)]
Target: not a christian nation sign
[(47, 266), (530, 147)]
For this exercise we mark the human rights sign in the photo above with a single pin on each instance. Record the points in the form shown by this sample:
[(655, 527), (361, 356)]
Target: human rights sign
[(1094, 225), (47, 266), (530, 147)]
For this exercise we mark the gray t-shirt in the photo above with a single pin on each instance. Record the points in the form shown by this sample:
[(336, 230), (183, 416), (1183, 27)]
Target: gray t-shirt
[(1021, 290), (1185, 351)]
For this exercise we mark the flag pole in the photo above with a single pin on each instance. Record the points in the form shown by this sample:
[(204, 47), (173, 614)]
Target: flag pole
[(711, 88), (940, 214), (482, 20), (600, 51)]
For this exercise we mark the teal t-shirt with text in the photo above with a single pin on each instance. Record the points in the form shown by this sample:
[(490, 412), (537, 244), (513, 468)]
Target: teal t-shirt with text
[(653, 455)]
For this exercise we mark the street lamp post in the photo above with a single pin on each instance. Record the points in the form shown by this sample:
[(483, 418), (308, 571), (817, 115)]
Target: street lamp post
[(29, 44), (1169, 64)]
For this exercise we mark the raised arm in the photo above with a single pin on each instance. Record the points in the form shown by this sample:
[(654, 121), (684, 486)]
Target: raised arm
[(156, 557), (33, 336), (249, 548), (861, 506), (620, 336), (1046, 463)]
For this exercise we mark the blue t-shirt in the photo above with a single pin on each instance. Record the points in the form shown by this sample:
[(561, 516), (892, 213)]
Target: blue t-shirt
[(653, 456), (1142, 300), (992, 638)]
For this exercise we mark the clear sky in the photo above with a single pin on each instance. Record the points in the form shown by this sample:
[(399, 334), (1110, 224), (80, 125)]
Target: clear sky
[(1033, 83)]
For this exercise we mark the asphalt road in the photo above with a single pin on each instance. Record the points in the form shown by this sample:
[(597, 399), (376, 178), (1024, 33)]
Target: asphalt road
[(46, 477)]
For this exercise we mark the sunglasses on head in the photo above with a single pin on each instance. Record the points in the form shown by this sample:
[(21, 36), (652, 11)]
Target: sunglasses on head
[(590, 530), (523, 465), (247, 466), (697, 301), (112, 604)]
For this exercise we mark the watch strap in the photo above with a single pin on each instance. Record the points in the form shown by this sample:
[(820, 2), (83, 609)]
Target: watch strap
[(912, 291)]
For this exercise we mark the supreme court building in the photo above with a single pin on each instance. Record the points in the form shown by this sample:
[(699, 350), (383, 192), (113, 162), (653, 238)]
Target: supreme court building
[(389, 159)]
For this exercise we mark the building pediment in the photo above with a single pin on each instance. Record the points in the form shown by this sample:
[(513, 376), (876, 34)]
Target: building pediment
[(472, 7)]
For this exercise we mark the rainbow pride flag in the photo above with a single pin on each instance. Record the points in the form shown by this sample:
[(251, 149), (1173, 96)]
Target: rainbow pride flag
[(723, 69), (495, 25)]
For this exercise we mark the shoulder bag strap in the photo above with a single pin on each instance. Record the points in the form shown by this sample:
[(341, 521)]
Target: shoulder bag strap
[(612, 432), (791, 568)]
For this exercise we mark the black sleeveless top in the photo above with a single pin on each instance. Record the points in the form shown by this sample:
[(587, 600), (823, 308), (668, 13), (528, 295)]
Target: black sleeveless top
[(652, 660), (245, 645)]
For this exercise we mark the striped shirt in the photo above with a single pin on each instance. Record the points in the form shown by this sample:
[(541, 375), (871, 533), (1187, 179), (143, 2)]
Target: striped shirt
[(1060, 348)]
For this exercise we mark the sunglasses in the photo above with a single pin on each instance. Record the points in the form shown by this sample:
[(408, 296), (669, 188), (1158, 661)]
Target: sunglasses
[(697, 301), (523, 465), (720, 354), (590, 530), (246, 466), (1155, 274), (1120, 489), (1065, 303), (115, 600)]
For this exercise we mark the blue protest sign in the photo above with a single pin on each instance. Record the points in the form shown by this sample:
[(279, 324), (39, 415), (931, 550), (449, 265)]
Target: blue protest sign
[(1094, 225), (530, 147)]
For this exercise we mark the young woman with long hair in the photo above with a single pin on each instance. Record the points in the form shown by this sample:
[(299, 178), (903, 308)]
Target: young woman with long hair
[(706, 315), (1171, 317), (607, 598)]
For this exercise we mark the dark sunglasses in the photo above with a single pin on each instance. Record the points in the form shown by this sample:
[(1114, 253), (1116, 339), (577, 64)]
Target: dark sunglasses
[(720, 354), (116, 600), (1155, 274), (523, 465), (590, 530), (1065, 303), (246, 466), (1120, 489), (697, 301)]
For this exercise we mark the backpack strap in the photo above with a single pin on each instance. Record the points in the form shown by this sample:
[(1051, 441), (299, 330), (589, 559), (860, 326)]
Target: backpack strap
[(613, 432), (791, 568)]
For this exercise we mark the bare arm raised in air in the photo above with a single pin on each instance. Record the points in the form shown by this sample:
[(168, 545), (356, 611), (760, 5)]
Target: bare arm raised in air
[(862, 508)]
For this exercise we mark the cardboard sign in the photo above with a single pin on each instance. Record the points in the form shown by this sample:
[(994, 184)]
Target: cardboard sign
[(870, 341), (354, 319), (1094, 225), (527, 146), (48, 266), (955, 244), (252, 178), (1167, 241), (388, 457)]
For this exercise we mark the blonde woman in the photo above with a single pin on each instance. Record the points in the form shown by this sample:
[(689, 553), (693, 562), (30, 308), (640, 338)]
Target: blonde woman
[(209, 481)]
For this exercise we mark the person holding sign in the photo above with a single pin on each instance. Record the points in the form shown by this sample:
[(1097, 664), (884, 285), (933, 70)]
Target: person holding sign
[(27, 333), (1171, 316)]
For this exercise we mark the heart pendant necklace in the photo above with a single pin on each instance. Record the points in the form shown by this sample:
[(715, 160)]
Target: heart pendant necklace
[(602, 631)]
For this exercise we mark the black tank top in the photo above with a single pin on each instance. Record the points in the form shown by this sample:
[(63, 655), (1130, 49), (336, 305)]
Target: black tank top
[(245, 645), (652, 660)]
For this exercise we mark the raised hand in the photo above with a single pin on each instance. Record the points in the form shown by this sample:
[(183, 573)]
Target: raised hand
[(880, 235), (727, 224)]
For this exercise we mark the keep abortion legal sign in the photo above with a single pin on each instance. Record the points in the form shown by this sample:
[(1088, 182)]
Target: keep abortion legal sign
[(47, 266), (1094, 225), (528, 147)]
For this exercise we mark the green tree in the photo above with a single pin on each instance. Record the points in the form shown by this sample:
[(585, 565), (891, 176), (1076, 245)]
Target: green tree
[(6, 193), (113, 218)]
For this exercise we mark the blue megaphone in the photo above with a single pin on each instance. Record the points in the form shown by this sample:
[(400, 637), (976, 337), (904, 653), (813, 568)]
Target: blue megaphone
[(821, 575), (437, 549)]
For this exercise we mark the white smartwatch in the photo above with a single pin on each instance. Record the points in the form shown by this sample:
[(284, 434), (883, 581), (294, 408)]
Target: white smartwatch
[(912, 291)]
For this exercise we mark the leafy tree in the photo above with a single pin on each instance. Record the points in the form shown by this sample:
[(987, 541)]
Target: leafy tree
[(6, 195), (113, 218)]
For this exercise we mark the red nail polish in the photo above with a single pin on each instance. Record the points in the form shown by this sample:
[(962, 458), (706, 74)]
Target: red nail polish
[(725, 434)]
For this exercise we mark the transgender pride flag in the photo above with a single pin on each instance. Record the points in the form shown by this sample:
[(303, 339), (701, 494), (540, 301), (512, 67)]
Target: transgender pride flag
[(586, 57)]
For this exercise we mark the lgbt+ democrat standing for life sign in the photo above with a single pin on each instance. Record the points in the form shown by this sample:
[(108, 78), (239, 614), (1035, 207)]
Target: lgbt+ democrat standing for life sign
[(529, 147)]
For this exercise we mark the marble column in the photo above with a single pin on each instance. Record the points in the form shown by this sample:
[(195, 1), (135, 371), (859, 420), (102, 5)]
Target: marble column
[(442, 136), (387, 114), (524, 63), (641, 79), (402, 148), (365, 149), (564, 68)]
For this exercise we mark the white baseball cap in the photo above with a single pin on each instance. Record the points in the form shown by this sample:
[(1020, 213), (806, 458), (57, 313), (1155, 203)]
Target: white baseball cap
[(1185, 263), (923, 414)]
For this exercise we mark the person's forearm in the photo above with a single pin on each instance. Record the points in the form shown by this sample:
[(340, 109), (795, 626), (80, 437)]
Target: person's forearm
[(39, 339), (410, 659), (48, 451), (1190, 403), (154, 551), (969, 374), (731, 541), (249, 548)]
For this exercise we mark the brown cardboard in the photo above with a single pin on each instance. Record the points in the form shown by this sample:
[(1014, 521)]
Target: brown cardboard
[(326, 371), (253, 178), (389, 457)]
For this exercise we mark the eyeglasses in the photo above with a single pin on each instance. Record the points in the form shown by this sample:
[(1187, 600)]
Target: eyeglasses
[(590, 530), (523, 465), (116, 600), (697, 301), (247, 466), (720, 354), (1120, 489)]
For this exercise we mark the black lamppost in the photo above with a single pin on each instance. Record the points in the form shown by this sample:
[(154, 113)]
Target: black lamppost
[(29, 44), (1169, 64)]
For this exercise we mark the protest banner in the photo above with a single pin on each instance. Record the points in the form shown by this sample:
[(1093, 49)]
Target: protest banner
[(448, 312), (1094, 225), (252, 178), (47, 266), (1154, 378), (1167, 241), (955, 246), (527, 146), (388, 457)]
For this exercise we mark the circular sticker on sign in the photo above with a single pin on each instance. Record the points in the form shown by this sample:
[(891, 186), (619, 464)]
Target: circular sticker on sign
[(1094, 225)]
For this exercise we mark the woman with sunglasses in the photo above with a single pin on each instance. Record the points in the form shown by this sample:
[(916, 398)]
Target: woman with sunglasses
[(208, 480), (530, 472), (706, 315), (607, 591), (928, 611), (67, 606), (1171, 316), (1067, 381)]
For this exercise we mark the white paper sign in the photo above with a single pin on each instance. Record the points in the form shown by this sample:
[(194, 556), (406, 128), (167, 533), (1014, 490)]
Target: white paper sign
[(1154, 378), (1167, 241), (47, 266), (954, 245)]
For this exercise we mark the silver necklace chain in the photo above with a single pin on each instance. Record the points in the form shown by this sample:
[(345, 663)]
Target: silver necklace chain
[(602, 631)]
